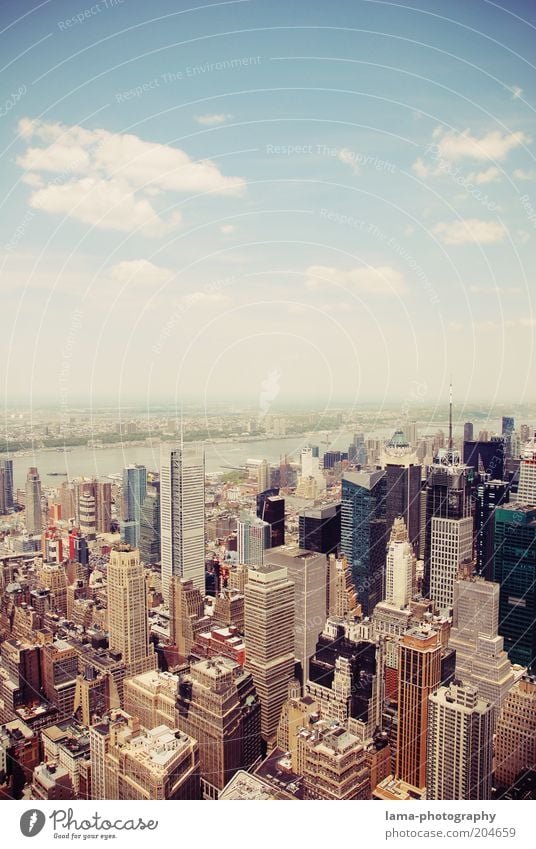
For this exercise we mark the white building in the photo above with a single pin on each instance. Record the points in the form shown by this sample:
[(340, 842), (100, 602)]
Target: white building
[(451, 545)]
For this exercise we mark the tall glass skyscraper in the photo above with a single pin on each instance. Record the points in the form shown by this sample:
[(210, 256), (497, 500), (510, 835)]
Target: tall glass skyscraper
[(363, 533), (134, 489), (7, 467), (182, 514), (514, 568)]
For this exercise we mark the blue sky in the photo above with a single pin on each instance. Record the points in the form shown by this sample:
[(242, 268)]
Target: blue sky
[(198, 197)]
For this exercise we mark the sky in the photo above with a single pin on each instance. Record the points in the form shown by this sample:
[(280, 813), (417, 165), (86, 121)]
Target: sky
[(267, 202)]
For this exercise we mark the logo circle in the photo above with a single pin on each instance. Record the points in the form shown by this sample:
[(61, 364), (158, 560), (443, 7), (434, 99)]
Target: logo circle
[(32, 822)]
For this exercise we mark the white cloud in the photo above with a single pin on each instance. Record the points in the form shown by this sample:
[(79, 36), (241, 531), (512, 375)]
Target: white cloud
[(227, 229), (469, 230), (521, 174), (491, 175), (212, 119), (348, 157), (140, 271), (517, 91), (104, 178), (107, 204), (381, 280), (493, 145), (422, 169), (203, 298)]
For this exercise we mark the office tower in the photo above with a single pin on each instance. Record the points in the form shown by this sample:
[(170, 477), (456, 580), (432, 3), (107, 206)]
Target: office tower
[(468, 432), (448, 497), (330, 459), (87, 514), (486, 457), (182, 515), (134, 488), (59, 661), (514, 568), (7, 467), (131, 762), (78, 548), (253, 537), (508, 428), (488, 495), (400, 566), (363, 533), (419, 675), (20, 683), (53, 577), (310, 466), (460, 744), (34, 517), (451, 546), (480, 657), (319, 528), (152, 698), (335, 764), (69, 500), (526, 490), (52, 545), (307, 571), (150, 525), (341, 595), (524, 433), (3, 508), (218, 706), (103, 506), (403, 498), (186, 614), (263, 476), (410, 432), (345, 678), (128, 610), (271, 509), (515, 740), (269, 635)]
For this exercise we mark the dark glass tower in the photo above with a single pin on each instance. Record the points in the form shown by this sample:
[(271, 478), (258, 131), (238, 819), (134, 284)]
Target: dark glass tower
[(448, 496), (489, 494), (271, 509), (320, 528), (514, 568), (150, 525), (7, 466), (363, 533), (485, 457), (403, 498)]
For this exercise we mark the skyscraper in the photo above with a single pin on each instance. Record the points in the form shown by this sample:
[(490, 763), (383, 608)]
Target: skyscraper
[(150, 524), (448, 497), (488, 495), (134, 488), (516, 733), (182, 514), (320, 528), (403, 498), (271, 509), (485, 456), (460, 738), (128, 610), (269, 636), (468, 431), (7, 467), (218, 706), (34, 517), (480, 657), (307, 571), (526, 491), (400, 567), (451, 546), (253, 539), (514, 568), (419, 675), (363, 533)]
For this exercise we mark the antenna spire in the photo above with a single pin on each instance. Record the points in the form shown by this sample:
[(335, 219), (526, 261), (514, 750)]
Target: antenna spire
[(450, 418)]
